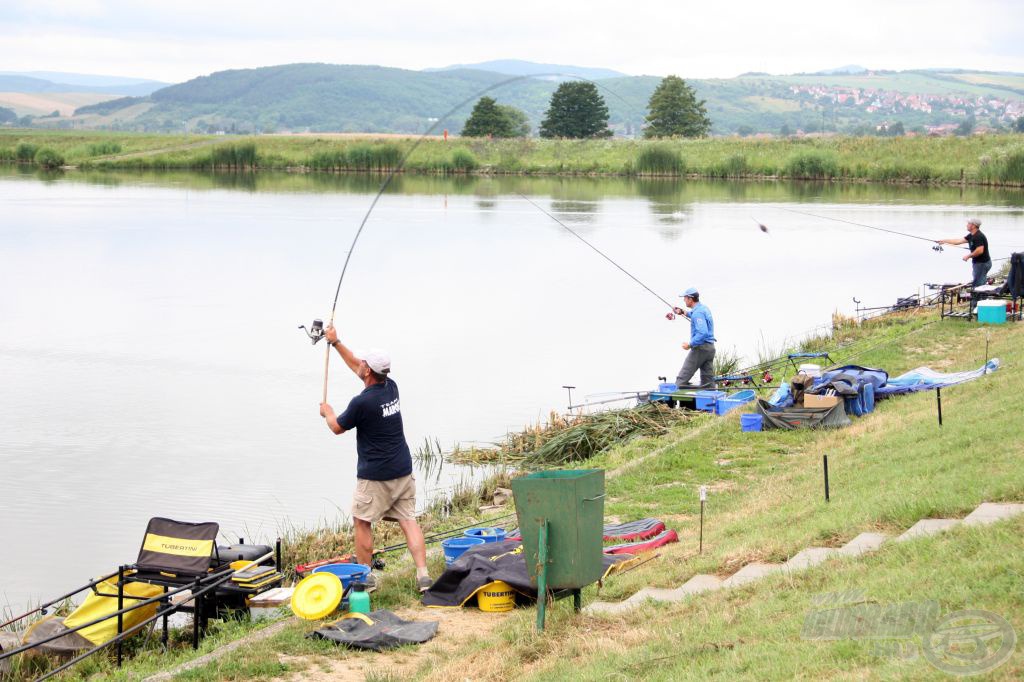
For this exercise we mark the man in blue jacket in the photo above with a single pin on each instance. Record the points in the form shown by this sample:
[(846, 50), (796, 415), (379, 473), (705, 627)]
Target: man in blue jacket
[(702, 341)]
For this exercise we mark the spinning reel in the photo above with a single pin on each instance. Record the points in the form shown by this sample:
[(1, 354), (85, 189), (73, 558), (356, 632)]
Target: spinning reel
[(315, 331), (937, 247)]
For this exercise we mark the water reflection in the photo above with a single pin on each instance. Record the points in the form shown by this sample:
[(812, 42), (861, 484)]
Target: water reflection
[(571, 188), (667, 203), (577, 212)]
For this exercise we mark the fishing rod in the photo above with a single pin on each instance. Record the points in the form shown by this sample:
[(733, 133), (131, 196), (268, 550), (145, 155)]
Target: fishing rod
[(197, 585), (43, 607), (602, 254), (936, 247), (444, 535), (159, 614), (317, 332)]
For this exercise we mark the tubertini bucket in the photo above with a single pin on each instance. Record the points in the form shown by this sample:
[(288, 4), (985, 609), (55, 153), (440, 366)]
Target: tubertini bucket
[(496, 597)]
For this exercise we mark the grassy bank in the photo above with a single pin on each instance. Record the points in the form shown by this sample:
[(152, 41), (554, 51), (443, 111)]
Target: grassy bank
[(888, 470), (983, 159)]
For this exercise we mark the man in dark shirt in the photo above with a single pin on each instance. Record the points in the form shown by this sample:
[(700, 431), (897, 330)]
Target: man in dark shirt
[(385, 486), (977, 243)]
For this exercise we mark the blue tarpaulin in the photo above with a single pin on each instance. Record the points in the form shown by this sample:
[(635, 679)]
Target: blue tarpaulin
[(925, 379)]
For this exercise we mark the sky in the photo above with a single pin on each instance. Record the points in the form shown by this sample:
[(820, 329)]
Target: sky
[(176, 41)]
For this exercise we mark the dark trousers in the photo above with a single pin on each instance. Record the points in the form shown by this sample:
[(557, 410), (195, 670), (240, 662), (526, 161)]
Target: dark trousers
[(981, 272), (700, 357)]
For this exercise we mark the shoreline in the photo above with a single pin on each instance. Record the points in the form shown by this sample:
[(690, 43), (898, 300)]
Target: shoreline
[(977, 161)]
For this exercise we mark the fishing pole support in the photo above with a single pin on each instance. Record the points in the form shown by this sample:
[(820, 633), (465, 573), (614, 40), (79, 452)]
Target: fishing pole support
[(315, 331)]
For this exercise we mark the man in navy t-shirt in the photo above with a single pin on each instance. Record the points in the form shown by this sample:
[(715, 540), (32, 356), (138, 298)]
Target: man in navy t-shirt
[(977, 244), (385, 486)]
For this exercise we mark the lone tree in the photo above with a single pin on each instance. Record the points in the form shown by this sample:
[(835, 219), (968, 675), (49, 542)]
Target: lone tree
[(675, 111), (488, 118), (577, 110)]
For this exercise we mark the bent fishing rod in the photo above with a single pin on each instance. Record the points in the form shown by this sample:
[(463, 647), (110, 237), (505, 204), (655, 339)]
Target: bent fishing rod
[(602, 254), (936, 245), (316, 330)]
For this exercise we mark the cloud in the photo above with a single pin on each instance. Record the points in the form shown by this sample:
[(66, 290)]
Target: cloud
[(180, 40)]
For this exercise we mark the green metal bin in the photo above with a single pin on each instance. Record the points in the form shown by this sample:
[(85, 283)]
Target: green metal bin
[(571, 502)]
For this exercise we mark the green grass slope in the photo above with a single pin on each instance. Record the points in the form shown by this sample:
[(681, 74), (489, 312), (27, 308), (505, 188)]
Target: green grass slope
[(889, 470)]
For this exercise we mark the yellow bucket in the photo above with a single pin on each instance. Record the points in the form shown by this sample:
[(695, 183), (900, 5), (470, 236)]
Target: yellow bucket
[(496, 597)]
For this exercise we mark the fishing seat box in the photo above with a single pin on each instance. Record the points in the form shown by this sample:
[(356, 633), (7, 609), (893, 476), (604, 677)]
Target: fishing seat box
[(227, 554)]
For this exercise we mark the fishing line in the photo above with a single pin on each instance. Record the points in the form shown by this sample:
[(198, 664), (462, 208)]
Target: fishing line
[(315, 336), (598, 251), (870, 227)]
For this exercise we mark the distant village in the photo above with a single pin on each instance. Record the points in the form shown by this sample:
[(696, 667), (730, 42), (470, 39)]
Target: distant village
[(871, 101)]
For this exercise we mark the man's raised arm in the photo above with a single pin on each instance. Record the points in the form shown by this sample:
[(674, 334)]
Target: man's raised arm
[(343, 351)]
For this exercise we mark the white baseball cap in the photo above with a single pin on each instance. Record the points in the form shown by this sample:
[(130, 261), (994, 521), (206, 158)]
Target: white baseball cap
[(377, 359)]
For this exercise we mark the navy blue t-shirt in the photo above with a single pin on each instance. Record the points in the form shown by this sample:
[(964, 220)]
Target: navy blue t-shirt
[(376, 415), (974, 241)]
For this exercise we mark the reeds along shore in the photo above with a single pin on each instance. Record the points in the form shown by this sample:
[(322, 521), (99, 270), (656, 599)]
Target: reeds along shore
[(980, 159)]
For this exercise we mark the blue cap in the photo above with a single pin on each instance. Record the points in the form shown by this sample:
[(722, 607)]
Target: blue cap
[(690, 292)]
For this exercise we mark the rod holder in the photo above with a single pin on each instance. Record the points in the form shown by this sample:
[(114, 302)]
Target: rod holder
[(824, 459)]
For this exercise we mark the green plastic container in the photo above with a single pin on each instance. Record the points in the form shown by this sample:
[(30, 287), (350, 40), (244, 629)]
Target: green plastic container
[(572, 503), (359, 599)]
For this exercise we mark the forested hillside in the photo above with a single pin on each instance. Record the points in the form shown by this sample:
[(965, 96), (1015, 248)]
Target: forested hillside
[(347, 98)]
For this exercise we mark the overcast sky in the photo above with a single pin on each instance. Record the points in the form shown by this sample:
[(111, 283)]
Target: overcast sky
[(175, 41)]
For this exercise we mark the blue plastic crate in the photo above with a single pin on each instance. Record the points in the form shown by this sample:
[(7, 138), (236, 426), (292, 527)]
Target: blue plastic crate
[(667, 388), (737, 399), (706, 400)]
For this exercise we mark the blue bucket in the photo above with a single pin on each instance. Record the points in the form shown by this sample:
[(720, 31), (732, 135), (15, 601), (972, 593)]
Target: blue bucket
[(487, 534), (751, 422), (346, 572), (454, 547)]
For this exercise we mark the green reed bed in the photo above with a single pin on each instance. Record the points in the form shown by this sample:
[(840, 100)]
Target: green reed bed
[(576, 438), (980, 159)]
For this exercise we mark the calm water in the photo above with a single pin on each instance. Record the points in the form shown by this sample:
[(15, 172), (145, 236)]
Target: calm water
[(150, 362)]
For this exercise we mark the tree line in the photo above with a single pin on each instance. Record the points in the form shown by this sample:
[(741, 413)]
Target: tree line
[(578, 111)]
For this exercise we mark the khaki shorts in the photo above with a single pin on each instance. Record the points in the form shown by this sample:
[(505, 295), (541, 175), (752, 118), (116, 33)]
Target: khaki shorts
[(394, 500)]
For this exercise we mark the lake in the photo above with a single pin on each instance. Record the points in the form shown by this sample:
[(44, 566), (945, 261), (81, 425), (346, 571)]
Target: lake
[(151, 365)]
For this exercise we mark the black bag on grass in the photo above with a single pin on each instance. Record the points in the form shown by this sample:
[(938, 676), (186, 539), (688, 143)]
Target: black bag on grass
[(387, 631)]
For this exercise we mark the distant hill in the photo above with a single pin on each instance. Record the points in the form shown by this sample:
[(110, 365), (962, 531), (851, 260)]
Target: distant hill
[(48, 81), (849, 69), (87, 79), (518, 67), (360, 98)]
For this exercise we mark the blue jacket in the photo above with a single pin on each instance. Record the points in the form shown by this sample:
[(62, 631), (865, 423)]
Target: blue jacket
[(702, 327)]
